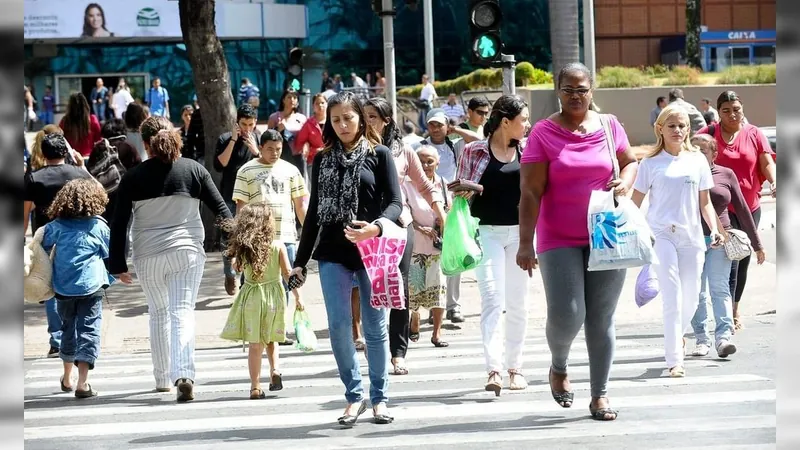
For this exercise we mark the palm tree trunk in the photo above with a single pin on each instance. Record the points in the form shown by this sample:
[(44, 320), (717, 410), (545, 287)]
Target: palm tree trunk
[(212, 84), (564, 33), (693, 33)]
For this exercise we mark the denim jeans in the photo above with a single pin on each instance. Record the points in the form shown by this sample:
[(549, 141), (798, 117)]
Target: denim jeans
[(81, 318), (100, 111), (337, 285), (715, 287), (226, 262), (53, 322)]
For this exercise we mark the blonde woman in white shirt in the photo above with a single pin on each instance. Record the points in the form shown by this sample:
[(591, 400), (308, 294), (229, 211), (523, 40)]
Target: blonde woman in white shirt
[(678, 178)]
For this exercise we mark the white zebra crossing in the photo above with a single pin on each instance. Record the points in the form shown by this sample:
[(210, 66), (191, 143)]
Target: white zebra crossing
[(445, 387)]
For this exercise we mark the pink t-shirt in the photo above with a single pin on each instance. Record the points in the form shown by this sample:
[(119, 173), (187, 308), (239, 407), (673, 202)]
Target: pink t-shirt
[(578, 165)]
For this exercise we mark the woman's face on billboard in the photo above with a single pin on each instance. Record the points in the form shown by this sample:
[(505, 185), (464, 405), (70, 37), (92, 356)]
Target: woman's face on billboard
[(95, 18)]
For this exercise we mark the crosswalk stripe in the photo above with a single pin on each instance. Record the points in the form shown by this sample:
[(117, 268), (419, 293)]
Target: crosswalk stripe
[(463, 360), (234, 360), (614, 385), (401, 413)]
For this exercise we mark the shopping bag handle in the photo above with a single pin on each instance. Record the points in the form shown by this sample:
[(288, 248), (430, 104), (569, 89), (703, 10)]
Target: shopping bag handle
[(606, 122)]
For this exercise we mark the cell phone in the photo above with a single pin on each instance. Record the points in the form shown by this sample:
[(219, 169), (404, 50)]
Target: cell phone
[(295, 282)]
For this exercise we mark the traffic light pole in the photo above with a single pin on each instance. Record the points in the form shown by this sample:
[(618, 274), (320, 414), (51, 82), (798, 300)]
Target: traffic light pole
[(427, 24), (509, 66), (387, 14)]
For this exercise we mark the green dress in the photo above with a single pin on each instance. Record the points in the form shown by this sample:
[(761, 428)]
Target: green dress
[(257, 314)]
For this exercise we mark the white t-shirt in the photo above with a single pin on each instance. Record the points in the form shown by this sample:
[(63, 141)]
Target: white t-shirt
[(121, 100), (428, 93), (674, 184)]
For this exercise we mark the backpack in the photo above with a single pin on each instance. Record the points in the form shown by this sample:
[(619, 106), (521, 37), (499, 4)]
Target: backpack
[(105, 166)]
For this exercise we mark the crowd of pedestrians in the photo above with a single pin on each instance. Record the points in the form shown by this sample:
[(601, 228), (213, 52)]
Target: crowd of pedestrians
[(313, 187)]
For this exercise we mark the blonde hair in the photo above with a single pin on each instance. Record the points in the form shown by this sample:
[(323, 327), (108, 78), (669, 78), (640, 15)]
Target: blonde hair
[(37, 158), (670, 111)]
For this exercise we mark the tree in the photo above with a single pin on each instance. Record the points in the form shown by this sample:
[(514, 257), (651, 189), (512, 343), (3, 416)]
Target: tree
[(564, 33), (211, 81), (693, 33)]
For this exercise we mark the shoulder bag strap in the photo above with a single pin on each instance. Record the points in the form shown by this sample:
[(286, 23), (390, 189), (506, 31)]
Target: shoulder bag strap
[(444, 194), (604, 119)]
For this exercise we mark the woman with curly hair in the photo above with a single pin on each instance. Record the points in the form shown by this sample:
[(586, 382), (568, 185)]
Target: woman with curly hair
[(79, 275), (257, 314), (166, 191)]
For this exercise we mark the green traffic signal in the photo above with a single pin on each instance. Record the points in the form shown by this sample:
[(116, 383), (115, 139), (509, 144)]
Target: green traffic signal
[(295, 84), (487, 47)]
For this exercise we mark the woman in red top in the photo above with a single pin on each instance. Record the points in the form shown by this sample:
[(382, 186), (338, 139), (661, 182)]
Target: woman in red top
[(309, 138), (744, 149), (81, 128)]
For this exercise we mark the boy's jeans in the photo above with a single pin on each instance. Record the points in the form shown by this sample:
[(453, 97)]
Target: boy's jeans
[(714, 286), (81, 318), (337, 285)]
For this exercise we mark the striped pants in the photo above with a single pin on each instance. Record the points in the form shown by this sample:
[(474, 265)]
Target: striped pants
[(170, 282)]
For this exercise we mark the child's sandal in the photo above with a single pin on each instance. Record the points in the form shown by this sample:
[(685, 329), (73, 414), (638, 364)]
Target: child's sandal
[(257, 394)]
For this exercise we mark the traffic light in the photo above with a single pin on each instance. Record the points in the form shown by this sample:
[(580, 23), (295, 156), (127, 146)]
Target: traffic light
[(294, 79), (484, 23)]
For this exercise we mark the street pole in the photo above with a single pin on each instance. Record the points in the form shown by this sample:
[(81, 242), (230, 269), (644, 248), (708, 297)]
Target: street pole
[(307, 102), (387, 16), (588, 36), (427, 24), (509, 70)]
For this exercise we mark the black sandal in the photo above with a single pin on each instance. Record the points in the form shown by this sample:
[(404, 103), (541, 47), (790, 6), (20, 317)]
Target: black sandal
[(564, 399), (87, 393), (600, 413), (63, 387), (348, 420), (439, 343), (276, 382), (382, 419), (257, 394)]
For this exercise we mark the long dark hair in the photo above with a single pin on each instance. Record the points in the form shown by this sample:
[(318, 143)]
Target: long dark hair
[(506, 107), (287, 93), (76, 120), (384, 109), (87, 29), (347, 98)]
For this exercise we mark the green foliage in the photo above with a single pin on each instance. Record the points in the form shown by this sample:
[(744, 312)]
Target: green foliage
[(622, 77), (683, 76), (762, 74), (659, 70), (483, 79)]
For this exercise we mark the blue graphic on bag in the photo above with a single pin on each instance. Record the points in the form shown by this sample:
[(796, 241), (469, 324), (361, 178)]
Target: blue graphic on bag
[(604, 229)]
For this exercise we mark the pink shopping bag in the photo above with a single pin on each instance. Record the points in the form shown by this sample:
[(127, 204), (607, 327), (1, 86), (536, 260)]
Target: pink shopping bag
[(381, 256)]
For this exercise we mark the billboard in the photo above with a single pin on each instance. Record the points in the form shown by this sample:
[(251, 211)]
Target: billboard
[(113, 20), (47, 19)]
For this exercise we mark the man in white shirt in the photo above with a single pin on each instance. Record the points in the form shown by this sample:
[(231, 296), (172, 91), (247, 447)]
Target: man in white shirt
[(426, 98), (705, 107), (361, 86)]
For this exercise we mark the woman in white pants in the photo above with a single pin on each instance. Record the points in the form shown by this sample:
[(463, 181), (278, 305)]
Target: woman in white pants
[(678, 178), (164, 194), (494, 163)]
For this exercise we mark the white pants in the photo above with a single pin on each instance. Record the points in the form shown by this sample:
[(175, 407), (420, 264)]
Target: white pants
[(679, 266), (170, 282), (499, 278)]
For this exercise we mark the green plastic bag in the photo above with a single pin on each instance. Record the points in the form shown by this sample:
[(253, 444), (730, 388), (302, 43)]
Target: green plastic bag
[(461, 244), (305, 339)]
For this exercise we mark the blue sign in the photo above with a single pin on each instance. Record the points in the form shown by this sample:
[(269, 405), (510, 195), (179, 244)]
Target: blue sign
[(743, 35)]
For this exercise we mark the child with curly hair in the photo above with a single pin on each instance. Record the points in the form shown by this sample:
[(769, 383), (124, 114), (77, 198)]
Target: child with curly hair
[(257, 314), (80, 237)]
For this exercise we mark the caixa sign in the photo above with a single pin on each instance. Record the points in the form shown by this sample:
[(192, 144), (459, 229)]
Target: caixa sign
[(741, 35), (737, 36)]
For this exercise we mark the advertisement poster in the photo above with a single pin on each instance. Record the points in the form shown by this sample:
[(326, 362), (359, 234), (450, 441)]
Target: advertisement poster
[(71, 19)]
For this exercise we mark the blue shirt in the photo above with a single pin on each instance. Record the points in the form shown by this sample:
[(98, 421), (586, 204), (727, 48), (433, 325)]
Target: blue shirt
[(247, 91), (157, 99), (81, 246)]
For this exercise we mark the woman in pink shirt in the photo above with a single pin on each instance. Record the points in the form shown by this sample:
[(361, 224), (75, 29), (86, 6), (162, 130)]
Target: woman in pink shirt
[(565, 159), (744, 149), (379, 116)]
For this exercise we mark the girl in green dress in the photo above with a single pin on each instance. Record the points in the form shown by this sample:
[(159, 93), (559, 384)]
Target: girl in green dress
[(257, 314)]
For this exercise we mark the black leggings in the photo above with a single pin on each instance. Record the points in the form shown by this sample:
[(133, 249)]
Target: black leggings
[(738, 277), (399, 319)]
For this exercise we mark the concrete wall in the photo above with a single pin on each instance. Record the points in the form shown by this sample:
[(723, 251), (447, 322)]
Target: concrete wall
[(632, 105)]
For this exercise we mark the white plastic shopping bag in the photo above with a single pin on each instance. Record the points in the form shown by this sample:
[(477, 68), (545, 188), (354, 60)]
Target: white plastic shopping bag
[(381, 256), (619, 236)]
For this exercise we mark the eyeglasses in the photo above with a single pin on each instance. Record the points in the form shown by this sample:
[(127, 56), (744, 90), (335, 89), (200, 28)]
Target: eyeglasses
[(482, 112), (580, 92)]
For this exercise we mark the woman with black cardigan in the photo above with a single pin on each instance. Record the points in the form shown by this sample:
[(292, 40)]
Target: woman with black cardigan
[(354, 183)]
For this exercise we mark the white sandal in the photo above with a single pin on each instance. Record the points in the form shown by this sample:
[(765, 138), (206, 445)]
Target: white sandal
[(677, 372)]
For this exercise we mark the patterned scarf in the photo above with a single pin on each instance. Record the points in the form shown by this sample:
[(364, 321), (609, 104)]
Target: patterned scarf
[(339, 180)]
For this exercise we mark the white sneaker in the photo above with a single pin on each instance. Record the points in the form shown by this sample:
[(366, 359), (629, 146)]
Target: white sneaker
[(725, 349), (701, 350)]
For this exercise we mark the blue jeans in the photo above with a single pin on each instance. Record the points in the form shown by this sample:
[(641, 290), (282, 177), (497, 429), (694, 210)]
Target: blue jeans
[(337, 285), (81, 316), (46, 117), (714, 284), (100, 111), (226, 262), (53, 322)]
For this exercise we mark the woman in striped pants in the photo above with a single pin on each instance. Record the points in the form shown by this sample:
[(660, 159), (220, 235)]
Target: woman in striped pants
[(164, 194)]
